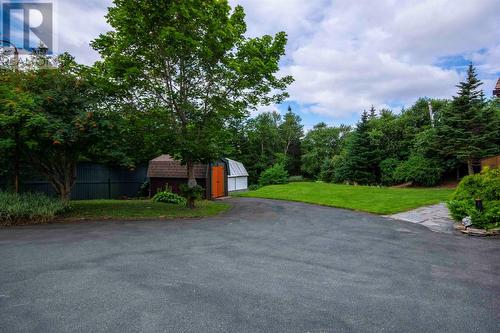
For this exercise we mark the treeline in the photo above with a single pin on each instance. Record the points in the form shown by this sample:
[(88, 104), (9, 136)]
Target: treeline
[(423, 144)]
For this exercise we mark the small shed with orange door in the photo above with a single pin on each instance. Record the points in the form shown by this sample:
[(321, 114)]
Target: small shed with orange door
[(165, 171)]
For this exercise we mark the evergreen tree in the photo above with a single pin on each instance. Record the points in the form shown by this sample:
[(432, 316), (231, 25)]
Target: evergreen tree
[(362, 156), (468, 128), (291, 132), (373, 113)]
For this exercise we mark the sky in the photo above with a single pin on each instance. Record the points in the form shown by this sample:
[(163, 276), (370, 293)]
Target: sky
[(346, 55)]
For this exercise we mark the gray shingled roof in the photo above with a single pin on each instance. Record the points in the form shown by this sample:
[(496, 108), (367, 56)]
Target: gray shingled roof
[(236, 169)]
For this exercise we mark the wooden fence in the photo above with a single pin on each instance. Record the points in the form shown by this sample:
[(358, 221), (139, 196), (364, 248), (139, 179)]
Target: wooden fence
[(490, 162)]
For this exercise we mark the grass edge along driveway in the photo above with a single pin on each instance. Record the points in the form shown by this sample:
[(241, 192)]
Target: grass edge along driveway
[(371, 199), (139, 209)]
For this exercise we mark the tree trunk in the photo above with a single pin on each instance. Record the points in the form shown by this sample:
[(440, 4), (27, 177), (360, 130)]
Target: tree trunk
[(470, 167), (191, 183), (63, 181)]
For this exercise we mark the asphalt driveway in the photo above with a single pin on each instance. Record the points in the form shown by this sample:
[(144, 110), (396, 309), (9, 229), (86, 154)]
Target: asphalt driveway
[(265, 266)]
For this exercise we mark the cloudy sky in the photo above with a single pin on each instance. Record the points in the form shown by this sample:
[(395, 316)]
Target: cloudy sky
[(348, 55)]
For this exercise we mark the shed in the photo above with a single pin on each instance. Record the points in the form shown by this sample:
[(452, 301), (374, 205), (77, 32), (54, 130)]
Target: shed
[(166, 171), (237, 179)]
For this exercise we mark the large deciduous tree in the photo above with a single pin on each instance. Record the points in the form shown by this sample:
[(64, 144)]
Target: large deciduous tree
[(191, 58), (64, 124), (16, 116), (319, 145)]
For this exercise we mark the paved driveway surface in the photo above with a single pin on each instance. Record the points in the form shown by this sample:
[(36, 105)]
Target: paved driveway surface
[(266, 266)]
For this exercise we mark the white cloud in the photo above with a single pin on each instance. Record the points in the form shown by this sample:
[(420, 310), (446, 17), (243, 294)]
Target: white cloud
[(348, 55), (382, 53)]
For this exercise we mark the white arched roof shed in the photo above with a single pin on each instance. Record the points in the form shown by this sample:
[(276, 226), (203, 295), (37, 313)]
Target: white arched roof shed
[(237, 178)]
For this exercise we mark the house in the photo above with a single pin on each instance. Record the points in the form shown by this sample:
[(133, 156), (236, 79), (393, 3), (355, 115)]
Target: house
[(217, 178), (496, 92)]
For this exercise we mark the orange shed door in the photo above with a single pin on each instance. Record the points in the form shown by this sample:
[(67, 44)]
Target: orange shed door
[(217, 181)]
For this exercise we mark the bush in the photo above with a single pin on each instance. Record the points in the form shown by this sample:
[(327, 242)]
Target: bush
[(253, 187), (169, 197), (484, 186), (387, 170), (191, 193), (29, 208), (419, 170), (274, 175)]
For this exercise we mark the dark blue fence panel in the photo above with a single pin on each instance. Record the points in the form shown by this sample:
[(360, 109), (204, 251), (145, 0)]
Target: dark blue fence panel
[(93, 181)]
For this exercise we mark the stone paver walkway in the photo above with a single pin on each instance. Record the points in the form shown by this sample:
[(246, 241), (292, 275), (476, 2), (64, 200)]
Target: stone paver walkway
[(436, 218)]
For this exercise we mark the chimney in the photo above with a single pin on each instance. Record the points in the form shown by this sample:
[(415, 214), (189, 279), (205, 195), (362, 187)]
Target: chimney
[(496, 92)]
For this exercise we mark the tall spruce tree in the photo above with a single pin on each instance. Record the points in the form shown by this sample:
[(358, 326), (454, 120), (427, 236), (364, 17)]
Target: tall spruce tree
[(469, 127), (291, 132), (362, 156)]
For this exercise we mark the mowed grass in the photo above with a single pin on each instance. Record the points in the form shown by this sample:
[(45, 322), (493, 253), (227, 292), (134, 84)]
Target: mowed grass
[(378, 200), (140, 209)]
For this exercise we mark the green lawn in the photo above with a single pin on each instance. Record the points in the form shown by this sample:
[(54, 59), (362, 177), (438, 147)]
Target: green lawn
[(378, 200), (139, 209)]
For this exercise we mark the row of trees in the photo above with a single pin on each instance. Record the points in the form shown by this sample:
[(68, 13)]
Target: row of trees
[(180, 77), (174, 77), (423, 144)]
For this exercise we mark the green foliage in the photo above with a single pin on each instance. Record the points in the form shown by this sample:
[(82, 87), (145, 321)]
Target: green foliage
[(274, 175), (51, 122), (418, 170), (361, 156), (484, 186), (193, 60), (29, 208), (169, 197), (266, 140), (387, 170), (192, 193), (253, 187), (468, 127), (319, 146)]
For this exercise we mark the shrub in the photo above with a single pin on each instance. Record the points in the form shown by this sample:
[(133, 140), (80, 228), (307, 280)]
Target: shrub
[(29, 208), (484, 186), (253, 187), (169, 197), (274, 175), (419, 170), (387, 170), (191, 194)]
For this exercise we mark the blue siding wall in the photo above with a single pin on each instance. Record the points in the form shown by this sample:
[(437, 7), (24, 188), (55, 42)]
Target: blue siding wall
[(93, 181)]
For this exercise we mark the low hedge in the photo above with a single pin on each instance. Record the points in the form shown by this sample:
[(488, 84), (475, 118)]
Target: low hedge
[(29, 208), (485, 187)]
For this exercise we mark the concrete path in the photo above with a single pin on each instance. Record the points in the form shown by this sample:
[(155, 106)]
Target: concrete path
[(264, 266), (437, 218)]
